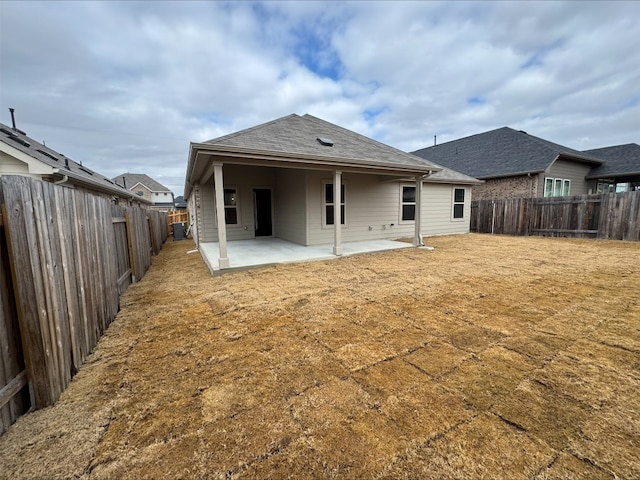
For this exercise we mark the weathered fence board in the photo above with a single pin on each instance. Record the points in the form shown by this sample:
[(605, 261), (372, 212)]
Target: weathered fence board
[(12, 376), (65, 258), (614, 216)]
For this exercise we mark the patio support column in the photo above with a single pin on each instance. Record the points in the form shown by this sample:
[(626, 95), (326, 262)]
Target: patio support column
[(337, 212), (220, 219), (417, 241)]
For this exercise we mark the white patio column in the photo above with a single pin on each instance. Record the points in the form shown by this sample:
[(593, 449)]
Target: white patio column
[(220, 220), (417, 241), (337, 212)]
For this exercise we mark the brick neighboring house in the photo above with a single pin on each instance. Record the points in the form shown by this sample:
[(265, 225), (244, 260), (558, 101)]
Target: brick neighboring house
[(515, 164), (144, 186), (620, 171), (22, 155)]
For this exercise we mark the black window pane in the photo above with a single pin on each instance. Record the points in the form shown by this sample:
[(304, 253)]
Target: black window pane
[(329, 214), (408, 194), (408, 212), (342, 193), (459, 195), (328, 193), (229, 196), (231, 216), (342, 214), (458, 210)]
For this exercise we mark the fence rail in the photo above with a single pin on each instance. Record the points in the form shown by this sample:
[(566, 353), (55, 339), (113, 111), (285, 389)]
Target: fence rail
[(614, 216), (65, 256)]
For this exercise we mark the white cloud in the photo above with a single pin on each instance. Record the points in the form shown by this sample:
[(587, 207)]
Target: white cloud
[(125, 86)]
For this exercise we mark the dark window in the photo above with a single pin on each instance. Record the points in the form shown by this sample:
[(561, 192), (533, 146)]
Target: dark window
[(329, 204), (458, 203), (230, 206), (408, 203)]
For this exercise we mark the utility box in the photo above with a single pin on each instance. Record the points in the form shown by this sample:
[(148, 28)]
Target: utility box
[(178, 231)]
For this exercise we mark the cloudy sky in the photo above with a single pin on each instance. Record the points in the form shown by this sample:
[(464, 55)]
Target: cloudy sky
[(125, 86)]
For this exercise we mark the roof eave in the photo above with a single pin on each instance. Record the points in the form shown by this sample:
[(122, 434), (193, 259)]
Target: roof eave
[(454, 181), (82, 180), (571, 156), (612, 175), (301, 158), (514, 174)]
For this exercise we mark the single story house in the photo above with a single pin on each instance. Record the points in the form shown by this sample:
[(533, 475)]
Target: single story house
[(22, 155), (160, 197), (620, 171), (310, 182), (513, 163)]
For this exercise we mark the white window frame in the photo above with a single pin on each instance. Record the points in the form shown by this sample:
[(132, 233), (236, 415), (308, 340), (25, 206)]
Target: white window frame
[(403, 203), (454, 203), (556, 187), (325, 204)]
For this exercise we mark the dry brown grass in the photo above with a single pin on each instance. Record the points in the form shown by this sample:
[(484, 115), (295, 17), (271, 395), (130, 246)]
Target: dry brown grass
[(488, 357)]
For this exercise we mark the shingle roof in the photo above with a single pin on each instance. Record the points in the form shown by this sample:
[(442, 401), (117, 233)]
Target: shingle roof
[(447, 175), (132, 179), (501, 153), (619, 160), (79, 173), (296, 134)]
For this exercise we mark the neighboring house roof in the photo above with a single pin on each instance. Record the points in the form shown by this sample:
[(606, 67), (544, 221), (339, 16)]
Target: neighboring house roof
[(503, 152), (296, 140), (447, 175), (133, 179), (180, 202), (619, 160), (59, 164)]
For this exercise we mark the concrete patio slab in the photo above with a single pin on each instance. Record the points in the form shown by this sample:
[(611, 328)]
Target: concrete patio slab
[(268, 251)]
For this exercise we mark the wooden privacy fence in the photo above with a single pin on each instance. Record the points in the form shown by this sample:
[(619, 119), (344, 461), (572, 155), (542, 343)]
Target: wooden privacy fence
[(614, 216), (65, 257)]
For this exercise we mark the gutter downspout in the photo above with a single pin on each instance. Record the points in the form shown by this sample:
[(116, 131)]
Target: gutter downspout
[(65, 179)]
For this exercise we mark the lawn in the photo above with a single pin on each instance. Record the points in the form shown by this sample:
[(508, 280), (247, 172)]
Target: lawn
[(487, 357)]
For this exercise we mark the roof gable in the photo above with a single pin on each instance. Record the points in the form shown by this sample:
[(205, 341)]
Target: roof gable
[(500, 153), (618, 160), (302, 135), (133, 179)]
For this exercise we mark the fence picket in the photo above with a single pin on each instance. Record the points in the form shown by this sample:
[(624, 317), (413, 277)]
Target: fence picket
[(70, 259), (614, 216)]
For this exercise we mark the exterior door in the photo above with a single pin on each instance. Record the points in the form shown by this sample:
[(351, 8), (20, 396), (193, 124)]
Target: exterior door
[(262, 212)]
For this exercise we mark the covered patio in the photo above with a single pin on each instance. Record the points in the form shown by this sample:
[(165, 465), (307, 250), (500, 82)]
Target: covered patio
[(267, 251)]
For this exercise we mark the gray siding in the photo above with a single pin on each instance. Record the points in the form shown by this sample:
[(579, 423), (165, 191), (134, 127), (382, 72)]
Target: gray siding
[(437, 210), (207, 213), (243, 178), (373, 207), (376, 204), (369, 203), (574, 171), (290, 205)]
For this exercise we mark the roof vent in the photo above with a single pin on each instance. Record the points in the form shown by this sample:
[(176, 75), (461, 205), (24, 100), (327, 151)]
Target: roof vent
[(327, 142), (522, 131)]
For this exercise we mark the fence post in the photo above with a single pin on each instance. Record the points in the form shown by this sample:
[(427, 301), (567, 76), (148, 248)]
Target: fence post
[(132, 263)]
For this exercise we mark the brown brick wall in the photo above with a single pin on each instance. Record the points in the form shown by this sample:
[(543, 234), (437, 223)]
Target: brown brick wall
[(511, 187)]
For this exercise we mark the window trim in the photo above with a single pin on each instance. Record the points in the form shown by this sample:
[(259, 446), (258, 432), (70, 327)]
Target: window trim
[(454, 203), (236, 206), (403, 203), (554, 184), (325, 204)]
